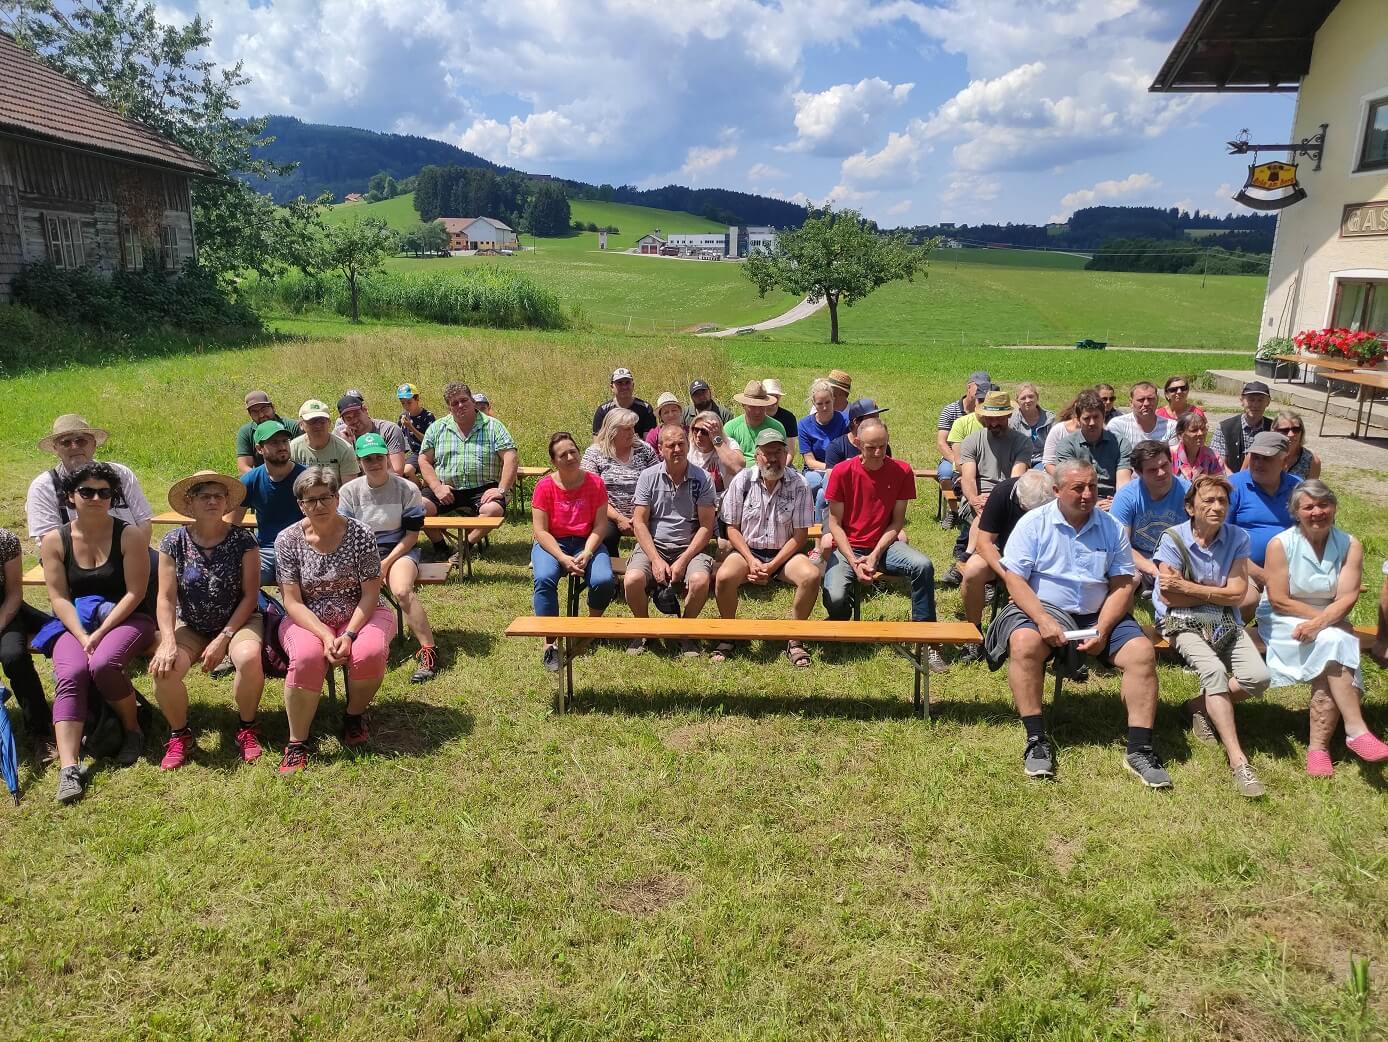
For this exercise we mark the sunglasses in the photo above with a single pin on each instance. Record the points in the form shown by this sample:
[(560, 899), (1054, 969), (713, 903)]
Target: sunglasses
[(74, 442), (1287, 430), (1178, 389), (1106, 401), (90, 492)]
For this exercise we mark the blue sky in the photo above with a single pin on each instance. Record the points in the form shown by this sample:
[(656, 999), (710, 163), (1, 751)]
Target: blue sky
[(911, 110)]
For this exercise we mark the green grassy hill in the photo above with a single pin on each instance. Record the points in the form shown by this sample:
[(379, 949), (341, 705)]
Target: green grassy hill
[(398, 212)]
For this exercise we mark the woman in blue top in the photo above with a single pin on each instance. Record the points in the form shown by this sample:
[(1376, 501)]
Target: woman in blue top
[(1313, 573), (816, 430), (1202, 572)]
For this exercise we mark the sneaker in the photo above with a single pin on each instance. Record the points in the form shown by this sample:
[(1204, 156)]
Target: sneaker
[(1148, 768), (551, 658), (689, 648), (947, 522), (1367, 748), (295, 758), (1318, 763), (248, 738), (72, 782), (224, 668), (935, 659), (951, 578), (354, 731), (131, 749), (178, 751), (815, 556), (972, 653), (1246, 781), (427, 662), (1039, 758), (637, 646), (1200, 727)]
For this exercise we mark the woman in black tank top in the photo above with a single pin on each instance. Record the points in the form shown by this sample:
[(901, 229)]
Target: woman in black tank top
[(99, 557)]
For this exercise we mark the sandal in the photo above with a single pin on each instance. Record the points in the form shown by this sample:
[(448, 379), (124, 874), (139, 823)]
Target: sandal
[(799, 657), (721, 652)]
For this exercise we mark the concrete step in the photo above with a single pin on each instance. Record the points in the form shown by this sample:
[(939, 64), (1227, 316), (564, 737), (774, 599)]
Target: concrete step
[(1304, 398)]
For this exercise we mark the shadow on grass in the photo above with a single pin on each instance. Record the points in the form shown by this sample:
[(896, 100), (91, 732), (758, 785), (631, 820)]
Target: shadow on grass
[(635, 702)]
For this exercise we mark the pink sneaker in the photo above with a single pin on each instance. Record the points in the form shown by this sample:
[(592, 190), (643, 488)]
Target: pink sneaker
[(177, 752), (1367, 748), (249, 741), (1318, 763)]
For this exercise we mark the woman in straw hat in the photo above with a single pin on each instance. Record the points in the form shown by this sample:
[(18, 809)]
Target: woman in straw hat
[(74, 441), (96, 568), (209, 583)]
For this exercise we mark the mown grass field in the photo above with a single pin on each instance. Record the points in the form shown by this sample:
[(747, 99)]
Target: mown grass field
[(745, 851)]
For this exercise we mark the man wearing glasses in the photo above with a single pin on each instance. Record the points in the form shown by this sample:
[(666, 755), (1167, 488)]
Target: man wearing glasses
[(74, 442), (270, 493)]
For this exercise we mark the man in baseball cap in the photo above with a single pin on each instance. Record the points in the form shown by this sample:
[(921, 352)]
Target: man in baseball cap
[(624, 397), (1260, 504), (701, 400), (414, 423), (319, 446), (846, 446), (259, 408), (1232, 437), (354, 421), (270, 491)]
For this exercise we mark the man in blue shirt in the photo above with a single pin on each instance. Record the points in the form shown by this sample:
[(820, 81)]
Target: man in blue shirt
[(1149, 506), (1259, 505), (1069, 556), (270, 493)]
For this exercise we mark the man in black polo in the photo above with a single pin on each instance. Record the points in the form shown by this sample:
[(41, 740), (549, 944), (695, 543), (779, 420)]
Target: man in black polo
[(624, 397), (1233, 436), (701, 400)]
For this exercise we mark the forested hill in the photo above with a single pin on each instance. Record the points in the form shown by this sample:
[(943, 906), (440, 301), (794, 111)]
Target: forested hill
[(342, 159)]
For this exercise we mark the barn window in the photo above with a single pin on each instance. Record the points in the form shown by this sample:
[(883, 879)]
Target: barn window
[(64, 236), (169, 248), (1373, 154), (132, 250)]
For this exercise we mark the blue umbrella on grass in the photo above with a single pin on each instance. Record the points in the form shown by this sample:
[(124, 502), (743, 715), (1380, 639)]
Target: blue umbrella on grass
[(9, 753)]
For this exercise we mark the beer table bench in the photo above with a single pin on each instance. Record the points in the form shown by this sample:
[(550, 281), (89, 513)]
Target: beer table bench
[(1366, 385), (524, 475), (908, 639), (947, 502)]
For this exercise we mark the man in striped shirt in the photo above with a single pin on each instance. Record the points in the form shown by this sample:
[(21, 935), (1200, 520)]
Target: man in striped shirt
[(468, 461)]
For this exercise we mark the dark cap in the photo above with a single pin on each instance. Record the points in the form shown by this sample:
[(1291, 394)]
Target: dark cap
[(980, 377), (699, 385), (350, 400), (1256, 387), (862, 409), (257, 398), (1268, 443)]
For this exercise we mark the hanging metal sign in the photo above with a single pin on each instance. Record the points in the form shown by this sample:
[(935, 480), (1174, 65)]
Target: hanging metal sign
[(1271, 178)]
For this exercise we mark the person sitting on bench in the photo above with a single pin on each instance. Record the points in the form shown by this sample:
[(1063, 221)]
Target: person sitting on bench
[(568, 512), (330, 575), (767, 511), (1260, 505), (259, 408), (468, 462), (1069, 568), (867, 497), (354, 421), (1094, 444), (673, 517), (20, 622), (318, 446), (270, 493), (393, 509), (74, 442)]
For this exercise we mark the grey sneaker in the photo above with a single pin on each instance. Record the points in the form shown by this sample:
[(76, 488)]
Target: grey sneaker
[(551, 658), (637, 646), (972, 653), (71, 784), (1247, 782), (1148, 768), (936, 660), (131, 749), (1200, 727), (1039, 759), (951, 578), (689, 648)]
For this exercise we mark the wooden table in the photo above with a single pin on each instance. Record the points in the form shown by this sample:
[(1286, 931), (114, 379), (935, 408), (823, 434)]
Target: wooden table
[(524, 474), (1330, 365), (1367, 384)]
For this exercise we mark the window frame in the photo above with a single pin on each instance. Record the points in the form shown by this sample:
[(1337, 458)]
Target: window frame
[(62, 237), (1373, 287), (132, 249), (170, 250), (1373, 104)]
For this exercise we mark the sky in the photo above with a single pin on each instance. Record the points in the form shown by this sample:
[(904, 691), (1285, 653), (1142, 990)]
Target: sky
[(912, 111)]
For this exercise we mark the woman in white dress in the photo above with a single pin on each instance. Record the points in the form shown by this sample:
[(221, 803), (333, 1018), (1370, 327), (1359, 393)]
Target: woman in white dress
[(1313, 575)]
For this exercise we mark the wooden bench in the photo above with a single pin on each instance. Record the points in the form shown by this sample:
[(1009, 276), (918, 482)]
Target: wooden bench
[(522, 493), (947, 497), (908, 639)]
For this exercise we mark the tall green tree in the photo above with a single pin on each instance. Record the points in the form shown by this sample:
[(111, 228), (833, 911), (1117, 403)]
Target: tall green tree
[(835, 256), (356, 250), (158, 75), (547, 214)]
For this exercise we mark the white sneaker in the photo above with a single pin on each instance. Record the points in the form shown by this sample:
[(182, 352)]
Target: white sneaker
[(937, 661)]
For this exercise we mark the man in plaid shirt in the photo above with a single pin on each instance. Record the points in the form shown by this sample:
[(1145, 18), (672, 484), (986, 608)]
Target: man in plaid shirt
[(468, 461)]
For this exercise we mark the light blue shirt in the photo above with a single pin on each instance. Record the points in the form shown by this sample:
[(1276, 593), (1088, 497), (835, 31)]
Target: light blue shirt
[(1210, 565), (1067, 569), (1147, 518)]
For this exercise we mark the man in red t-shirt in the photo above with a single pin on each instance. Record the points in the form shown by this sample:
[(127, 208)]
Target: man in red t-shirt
[(867, 498)]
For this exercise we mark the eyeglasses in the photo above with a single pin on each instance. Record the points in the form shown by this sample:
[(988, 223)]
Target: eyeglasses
[(317, 501), (1178, 389), (1287, 430), (74, 443), (208, 497), (91, 492)]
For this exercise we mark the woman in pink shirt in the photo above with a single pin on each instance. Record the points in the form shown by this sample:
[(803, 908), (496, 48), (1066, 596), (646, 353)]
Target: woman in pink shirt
[(1190, 456), (569, 516)]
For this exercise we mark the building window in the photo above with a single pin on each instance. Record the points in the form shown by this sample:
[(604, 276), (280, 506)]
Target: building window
[(1361, 305), (1374, 153), (64, 240), (168, 247), (132, 250)]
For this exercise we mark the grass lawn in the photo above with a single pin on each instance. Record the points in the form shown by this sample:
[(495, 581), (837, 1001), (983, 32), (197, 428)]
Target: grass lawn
[(696, 852), (1016, 297)]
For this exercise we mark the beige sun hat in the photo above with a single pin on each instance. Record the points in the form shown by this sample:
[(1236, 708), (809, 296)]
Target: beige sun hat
[(71, 423), (754, 394), (178, 495)]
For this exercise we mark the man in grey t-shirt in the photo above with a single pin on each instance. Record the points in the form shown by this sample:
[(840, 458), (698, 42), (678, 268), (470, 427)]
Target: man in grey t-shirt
[(1108, 451), (986, 457), (673, 516)]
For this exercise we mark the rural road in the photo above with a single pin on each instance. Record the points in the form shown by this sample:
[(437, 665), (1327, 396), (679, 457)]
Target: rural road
[(802, 310)]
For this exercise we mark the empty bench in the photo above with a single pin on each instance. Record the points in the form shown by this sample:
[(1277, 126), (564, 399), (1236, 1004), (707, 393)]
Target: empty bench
[(908, 639)]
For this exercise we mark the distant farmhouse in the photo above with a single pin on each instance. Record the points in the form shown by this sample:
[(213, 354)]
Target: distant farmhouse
[(479, 233), (353, 197), (737, 241), (80, 185)]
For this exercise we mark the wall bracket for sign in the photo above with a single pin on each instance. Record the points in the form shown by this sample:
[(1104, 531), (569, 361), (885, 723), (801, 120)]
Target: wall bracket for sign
[(1310, 147)]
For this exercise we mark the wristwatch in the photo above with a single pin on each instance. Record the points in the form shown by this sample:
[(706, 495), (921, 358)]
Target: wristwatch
[(228, 633), (350, 634), (718, 440)]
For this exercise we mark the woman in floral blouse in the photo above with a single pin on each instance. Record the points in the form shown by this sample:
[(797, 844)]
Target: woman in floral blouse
[(1190, 456), (329, 571)]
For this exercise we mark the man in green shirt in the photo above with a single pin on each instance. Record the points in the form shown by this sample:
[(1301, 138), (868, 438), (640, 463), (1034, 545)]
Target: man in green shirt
[(757, 407)]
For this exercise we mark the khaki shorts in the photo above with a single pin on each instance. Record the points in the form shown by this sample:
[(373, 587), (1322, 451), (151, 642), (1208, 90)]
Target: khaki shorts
[(639, 562), (193, 642)]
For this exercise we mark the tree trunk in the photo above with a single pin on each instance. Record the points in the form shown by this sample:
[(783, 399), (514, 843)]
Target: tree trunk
[(352, 291), (833, 299)]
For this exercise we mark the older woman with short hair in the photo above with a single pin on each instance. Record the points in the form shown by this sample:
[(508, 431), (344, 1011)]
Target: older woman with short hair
[(1202, 573), (618, 456), (1313, 573), (209, 583), (329, 572), (1190, 456), (1301, 461)]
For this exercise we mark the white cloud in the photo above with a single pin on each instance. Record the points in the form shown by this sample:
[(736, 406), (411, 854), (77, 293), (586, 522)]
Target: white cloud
[(763, 172), (1133, 184), (540, 136), (845, 118), (899, 208), (895, 165), (701, 159)]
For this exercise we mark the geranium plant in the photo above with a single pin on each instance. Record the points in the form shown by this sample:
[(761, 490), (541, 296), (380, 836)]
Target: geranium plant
[(1361, 346)]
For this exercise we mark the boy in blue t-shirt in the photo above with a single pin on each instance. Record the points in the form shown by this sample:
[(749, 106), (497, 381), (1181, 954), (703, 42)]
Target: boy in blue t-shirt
[(1150, 505), (414, 421)]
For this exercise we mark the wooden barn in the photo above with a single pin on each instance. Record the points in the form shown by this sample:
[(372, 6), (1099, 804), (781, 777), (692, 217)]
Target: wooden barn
[(80, 185)]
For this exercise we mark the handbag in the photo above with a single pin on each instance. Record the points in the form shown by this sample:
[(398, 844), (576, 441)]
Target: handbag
[(1216, 624)]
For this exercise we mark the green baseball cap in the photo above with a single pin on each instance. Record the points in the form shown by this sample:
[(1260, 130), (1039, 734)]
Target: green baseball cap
[(267, 430), (770, 436), (372, 444)]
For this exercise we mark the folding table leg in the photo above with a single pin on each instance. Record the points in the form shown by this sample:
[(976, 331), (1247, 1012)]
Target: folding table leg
[(566, 678)]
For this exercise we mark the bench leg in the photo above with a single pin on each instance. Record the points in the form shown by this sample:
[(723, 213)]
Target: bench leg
[(399, 612), (1059, 682), (565, 678), (922, 671)]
